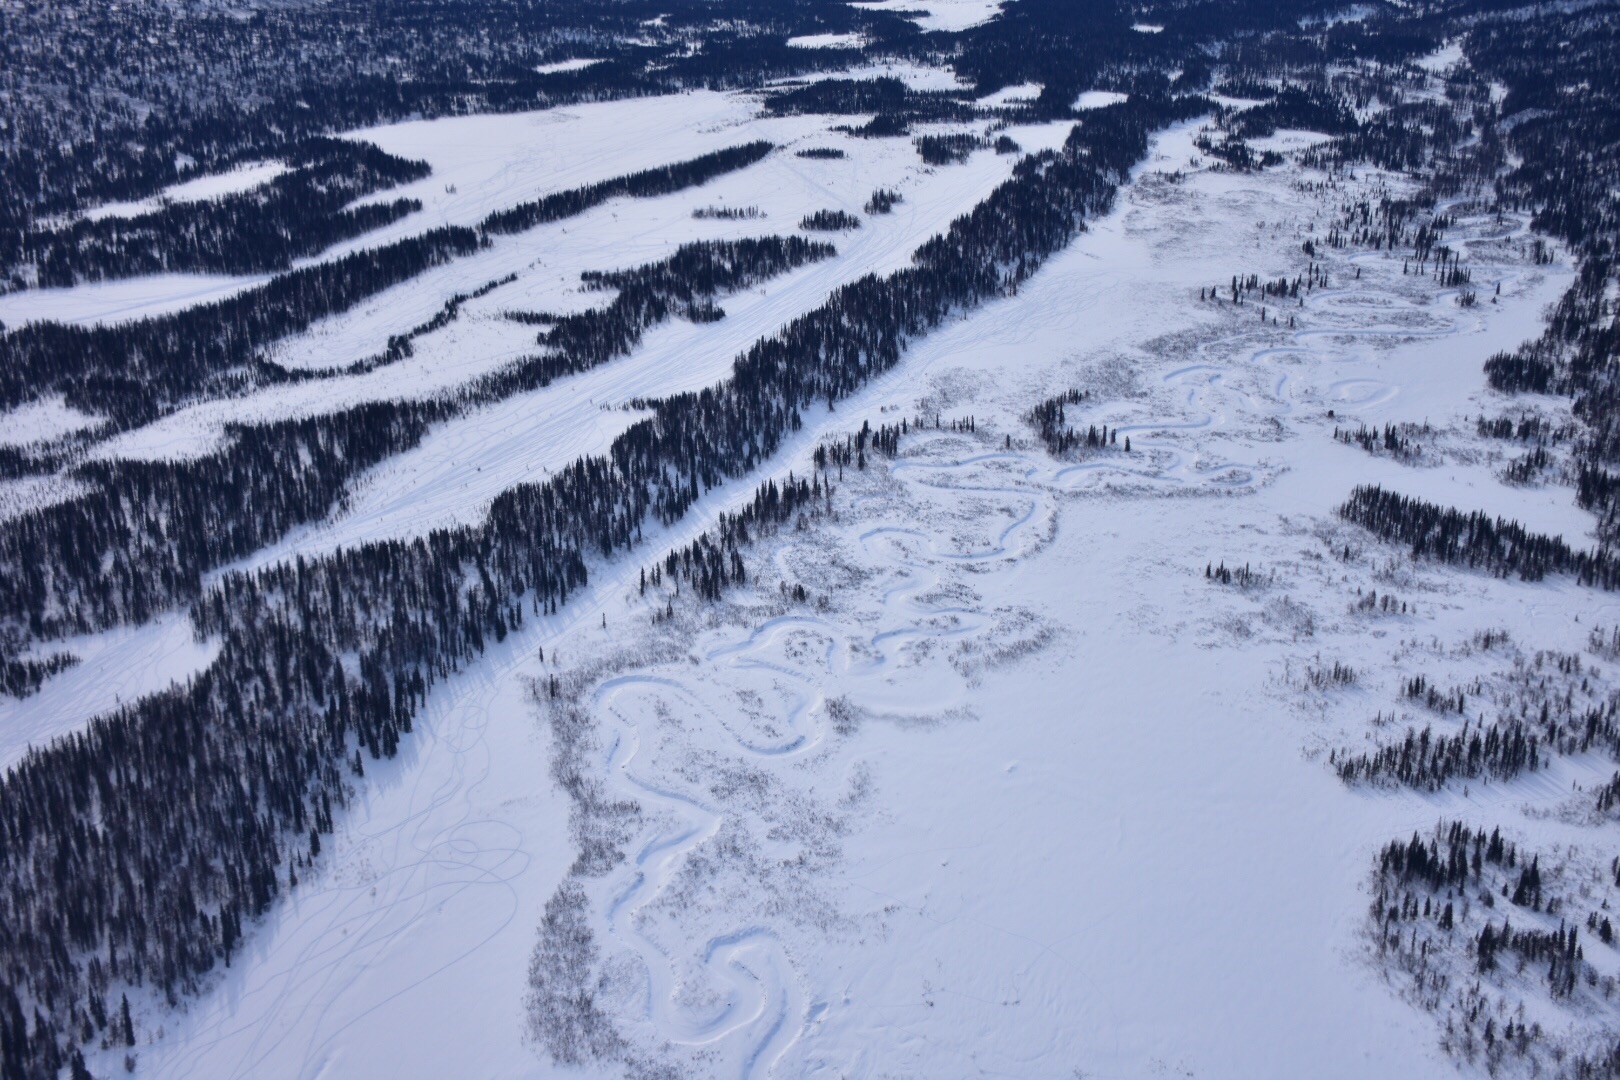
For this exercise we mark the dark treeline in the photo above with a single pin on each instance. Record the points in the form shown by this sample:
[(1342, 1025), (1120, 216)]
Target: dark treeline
[(1429, 761), (1429, 895), (821, 153), (1309, 108), (1560, 947), (728, 213), (947, 149), (1566, 165), (133, 372), (297, 214), (640, 185), (713, 561), (829, 221), (20, 677), (1461, 862), (1477, 540), (684, 285), (894, 105), (1241, 287), (883, 201), (1236, 155), (1244, 577), (141, 541), (1526, 429), (1394, 439), (1050, 420), (100, 560), (851, 451), (108, 878), (1545, 709)]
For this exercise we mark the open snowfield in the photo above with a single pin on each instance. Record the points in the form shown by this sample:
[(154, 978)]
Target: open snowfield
[(946, 15), (1016, 791)]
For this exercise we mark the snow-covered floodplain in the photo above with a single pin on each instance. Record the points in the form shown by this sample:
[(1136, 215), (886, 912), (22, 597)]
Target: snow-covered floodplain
[(1016, 790)]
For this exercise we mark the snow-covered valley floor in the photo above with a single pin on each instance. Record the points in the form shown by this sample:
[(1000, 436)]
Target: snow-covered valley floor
[(1016, 790)]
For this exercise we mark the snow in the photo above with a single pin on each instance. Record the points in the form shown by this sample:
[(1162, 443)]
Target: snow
[(1444, 58), (827, 41), (624, 233), (490, 162), (480, 164), (463, 464), (244, 177), (948, 16), (917, 76), (1008, 95), (42, 420), (121, 300), (1019, 798), (116, 667), (1098, 99), (578, 63), (25, 494), (1288, 140)]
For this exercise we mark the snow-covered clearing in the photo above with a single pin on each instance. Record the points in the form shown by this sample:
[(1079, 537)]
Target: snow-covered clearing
[(1008, 95), (121, 300), (950, 16), (42, 420), (481, 164), (1016, 791), (1444, 58), (915, 75), (578, 63), (1097, 99), (466, 462), (827, 41), (22, 494)]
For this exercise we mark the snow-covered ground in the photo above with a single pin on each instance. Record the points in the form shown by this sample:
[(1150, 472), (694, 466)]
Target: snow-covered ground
[(827, 41), (578, 63), (946, 15), (1097, 99), (1016, 791), (42, 420)]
